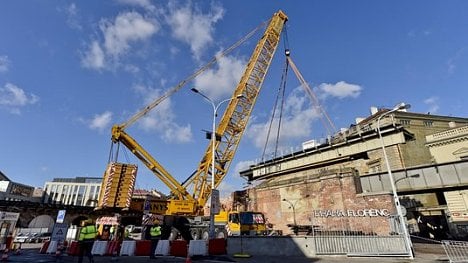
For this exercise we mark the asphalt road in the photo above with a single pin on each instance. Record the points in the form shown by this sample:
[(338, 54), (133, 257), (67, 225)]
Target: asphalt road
[(423, 253)]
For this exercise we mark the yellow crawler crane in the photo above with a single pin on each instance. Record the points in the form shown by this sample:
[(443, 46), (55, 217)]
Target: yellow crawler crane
[(189, 198)]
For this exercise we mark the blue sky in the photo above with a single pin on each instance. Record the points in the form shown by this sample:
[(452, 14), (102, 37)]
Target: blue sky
[(70, 70)]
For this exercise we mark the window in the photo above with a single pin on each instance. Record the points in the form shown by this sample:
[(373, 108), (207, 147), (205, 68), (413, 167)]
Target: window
[(405, 122), (234, 218), (79, 199), (65, 194), (428, 123)]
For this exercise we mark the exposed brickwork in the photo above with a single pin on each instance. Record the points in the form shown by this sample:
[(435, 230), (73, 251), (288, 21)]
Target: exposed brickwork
[(331, 192)]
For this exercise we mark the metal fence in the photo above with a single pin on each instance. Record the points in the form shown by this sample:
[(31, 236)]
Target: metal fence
[(361, 237), (457, 251), (352, 245)]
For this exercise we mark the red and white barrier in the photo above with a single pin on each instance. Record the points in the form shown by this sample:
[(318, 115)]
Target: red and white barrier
[(198, 248), (163, 248), (44, 247), (217, 246), (179, 248), (113, 248), (143, 248), (128, 248), (73, 248), (99, 247)]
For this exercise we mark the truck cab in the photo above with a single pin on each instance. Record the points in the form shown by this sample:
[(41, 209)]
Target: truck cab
[(246, 223)]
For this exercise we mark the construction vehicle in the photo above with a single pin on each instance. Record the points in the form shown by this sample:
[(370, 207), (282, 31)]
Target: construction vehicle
[(242, 223), (187, 199)]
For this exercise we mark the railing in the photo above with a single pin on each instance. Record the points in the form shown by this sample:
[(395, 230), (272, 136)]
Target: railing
[(447, 134), (457, 251), (360, 245)]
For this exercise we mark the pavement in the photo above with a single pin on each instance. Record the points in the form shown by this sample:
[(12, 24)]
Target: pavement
[(423, 253)]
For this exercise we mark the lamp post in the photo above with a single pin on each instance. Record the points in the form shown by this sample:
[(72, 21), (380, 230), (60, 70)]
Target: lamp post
[(213, 156), (293, 206), (396, 200)]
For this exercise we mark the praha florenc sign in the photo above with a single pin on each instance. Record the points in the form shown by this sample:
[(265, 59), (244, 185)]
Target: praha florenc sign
[(352, 213)]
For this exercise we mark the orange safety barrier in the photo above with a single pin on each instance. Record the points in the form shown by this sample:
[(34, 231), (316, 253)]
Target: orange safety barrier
[(73, 249), (44, 247), (113, 248), (179, 248), (143, 248), (217, 246)]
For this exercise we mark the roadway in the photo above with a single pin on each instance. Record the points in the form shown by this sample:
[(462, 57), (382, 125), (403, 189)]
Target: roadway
[(423, 253)]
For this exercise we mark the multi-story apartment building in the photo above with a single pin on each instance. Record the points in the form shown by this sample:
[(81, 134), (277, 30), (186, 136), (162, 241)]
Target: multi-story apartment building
[(79, 191)]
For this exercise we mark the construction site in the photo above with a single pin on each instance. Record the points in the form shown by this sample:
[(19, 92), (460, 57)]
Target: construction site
[(352, 193), (372, 189)]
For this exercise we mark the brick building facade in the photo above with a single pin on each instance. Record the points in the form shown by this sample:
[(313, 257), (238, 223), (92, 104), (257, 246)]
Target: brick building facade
[(329, 201), (348, 173)]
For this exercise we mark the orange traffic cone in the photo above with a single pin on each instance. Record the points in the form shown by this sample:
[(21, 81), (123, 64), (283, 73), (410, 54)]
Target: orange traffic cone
[(5, 255)]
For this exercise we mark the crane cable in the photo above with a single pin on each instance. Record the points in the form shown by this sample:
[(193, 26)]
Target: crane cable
[(286, 52), (176, 88), (279, 96), (324, 117)]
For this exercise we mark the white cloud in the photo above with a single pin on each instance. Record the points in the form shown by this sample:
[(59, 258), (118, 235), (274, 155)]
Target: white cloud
[(417, 33), (452, 61), (127, 28), (192, 27), (242, 166), (73, 17), (234, 183), (433, 104), (225, 189), (142, 3), (94, 58), (14, 98), (162, 118), (298, 117), (220, 83), (4, 64), (340, 90), (101, 122)]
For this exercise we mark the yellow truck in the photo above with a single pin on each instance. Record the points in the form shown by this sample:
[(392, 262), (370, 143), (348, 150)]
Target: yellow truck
[(231, 223), (242, 223)]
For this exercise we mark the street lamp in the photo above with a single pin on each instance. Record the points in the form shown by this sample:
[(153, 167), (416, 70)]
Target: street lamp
[(293, 206), (409, 245), (213, 145)]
